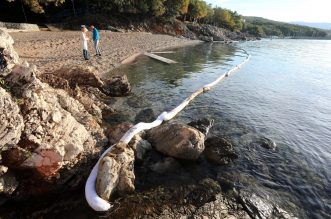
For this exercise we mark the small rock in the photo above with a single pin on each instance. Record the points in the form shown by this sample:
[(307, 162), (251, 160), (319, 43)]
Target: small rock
[(140, 146), (267, 143), (203, 125), (56, 117)]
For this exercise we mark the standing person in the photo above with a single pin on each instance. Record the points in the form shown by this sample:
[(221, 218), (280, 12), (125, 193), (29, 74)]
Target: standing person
[(96, 38), (84, 43)]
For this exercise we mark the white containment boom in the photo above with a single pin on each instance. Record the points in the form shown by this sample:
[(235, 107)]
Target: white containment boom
[(93, 199)]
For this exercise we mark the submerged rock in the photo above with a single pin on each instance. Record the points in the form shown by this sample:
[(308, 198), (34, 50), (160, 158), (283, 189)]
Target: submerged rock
[(177, 140), (145, 115), (266, 143), (219, 150), (203, 125), (117, 86), (116, 172)]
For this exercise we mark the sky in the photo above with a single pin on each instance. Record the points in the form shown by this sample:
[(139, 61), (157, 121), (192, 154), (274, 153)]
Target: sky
[(280, 10)]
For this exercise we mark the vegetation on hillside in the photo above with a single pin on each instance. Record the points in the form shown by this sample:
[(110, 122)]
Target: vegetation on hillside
[(186, 10), (264, 27)]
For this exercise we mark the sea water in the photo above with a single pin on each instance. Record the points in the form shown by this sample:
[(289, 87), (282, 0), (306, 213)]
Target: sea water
[(283, 93)]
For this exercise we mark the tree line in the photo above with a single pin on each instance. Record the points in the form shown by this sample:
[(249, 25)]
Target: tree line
[(197, 11), (187, 10)]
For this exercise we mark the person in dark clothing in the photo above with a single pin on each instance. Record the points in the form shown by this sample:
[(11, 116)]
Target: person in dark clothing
[(96, 38)]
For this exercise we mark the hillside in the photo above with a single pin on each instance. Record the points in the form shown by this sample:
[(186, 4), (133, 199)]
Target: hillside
[(265, 27), (324, 26)]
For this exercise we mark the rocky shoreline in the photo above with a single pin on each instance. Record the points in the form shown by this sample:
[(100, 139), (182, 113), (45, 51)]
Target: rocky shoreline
[(54, 128)]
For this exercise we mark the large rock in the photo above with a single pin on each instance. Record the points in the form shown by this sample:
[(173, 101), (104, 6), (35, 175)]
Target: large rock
[(11, 120), (58, 131), (177, 140), (115, 172), (219, 150), (8, 56)]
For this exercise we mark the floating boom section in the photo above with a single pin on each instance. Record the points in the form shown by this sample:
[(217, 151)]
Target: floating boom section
[(160, 58)]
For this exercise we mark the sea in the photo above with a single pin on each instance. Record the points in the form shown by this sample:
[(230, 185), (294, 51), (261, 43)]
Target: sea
[(282, 94)]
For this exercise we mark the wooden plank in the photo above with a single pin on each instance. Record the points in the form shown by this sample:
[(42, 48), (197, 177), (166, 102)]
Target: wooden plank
[(162, 52), (159, 58)]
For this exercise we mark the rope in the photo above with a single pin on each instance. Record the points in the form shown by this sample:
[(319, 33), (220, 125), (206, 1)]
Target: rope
[(93, 199)]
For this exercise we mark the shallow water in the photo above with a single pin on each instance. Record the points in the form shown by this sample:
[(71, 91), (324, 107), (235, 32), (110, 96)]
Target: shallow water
[(283, 93)]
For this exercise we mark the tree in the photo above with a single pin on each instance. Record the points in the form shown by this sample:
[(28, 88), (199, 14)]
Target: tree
[(197, 9), (37, 5)]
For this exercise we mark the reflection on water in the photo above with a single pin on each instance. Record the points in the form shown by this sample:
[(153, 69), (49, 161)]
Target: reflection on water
[(283, 93)]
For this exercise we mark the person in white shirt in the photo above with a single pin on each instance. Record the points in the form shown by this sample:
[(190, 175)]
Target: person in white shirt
[(84, 43)]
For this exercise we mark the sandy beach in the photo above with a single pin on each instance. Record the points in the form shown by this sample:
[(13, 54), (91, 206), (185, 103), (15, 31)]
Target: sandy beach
[(50, 50)]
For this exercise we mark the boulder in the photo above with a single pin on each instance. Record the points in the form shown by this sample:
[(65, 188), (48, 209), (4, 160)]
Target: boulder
[(177, 140), (117, 86), (203, 125), (8, 56), (115, 172), (11, 121), (220, 151)]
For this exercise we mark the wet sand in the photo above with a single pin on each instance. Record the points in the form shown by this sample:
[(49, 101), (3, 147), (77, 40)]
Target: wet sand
[(50, 50)]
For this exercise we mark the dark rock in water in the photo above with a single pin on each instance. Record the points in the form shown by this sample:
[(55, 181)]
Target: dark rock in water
[(137, 102), (266, 143), (258, 207), (219, 150), (177, 140), (203, 125), (117, 86), (145, 115), (165, 165)]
